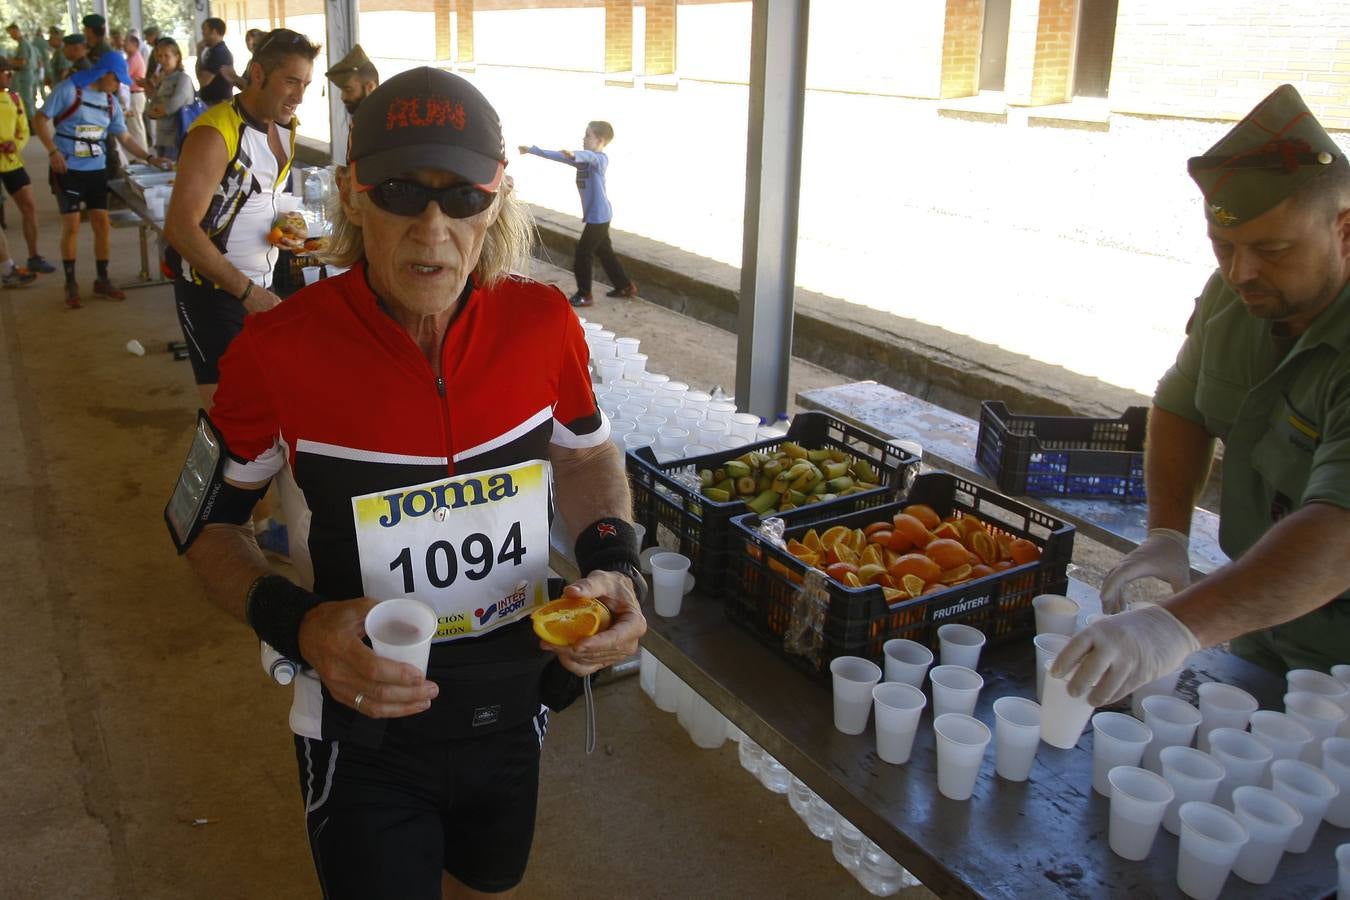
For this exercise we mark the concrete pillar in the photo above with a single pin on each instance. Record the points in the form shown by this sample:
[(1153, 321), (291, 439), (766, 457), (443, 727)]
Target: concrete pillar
[(340, 34), (961, 48), (281, 13), (464, 31), (659, 51), (618, 35), (444, 18), (136, 19), (1041, 37)]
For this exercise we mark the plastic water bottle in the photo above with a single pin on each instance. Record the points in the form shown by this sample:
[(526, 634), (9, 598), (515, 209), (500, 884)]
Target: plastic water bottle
[(277, 667), (751, 756), (848, 844), (774, 776), (881, 875), (313, 196)]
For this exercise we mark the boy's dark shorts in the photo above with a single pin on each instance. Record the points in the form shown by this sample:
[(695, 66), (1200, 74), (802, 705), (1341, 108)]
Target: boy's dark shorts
[(75, 188), (386, 823), (16, 180)]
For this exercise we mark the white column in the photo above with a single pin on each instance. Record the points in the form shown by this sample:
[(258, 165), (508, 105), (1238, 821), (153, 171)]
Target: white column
[(340, 37)]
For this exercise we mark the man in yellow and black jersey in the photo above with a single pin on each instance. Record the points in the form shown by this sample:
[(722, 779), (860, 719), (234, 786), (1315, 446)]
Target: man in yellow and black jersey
[(234, 164)]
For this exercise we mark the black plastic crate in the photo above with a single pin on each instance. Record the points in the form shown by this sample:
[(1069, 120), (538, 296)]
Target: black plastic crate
[(859, 620), (678, 517), (1073, 457)]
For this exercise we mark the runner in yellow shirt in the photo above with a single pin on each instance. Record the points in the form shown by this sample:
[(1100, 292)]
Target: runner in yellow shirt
[(13, 136)]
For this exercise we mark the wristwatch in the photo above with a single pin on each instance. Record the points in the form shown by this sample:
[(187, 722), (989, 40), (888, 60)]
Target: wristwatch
[(634, 575)]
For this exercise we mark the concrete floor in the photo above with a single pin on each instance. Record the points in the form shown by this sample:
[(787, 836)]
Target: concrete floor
[(145, 753)]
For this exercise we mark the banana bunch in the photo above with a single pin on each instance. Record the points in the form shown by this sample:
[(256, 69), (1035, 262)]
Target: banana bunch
[(786, 477)]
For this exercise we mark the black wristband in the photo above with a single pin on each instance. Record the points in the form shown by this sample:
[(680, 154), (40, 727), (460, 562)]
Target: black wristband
[(274, 608), (605, 543)]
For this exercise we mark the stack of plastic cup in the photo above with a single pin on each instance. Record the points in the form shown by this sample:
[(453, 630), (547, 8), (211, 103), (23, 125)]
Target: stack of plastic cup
[(1222, 706), (907, 661), (961, 742), (853, 679), (1271, 822), (1173, 722), (1117, 740), (848, 843), (897, 708), (1309, 791), (1245, 760), (1138, 800), (1319, 714), (1017, 733), (1211, 839), (1047, 647), (960, 645), (1193, 775), (751, 756), (1336, 765), (1286, 738), (1062, 716), (1055, 614), (956, 689), (772, 774), (668, 571)]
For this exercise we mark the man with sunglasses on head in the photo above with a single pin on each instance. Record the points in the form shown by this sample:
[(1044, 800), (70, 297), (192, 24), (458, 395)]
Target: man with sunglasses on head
[(429, 408), (234, 164)]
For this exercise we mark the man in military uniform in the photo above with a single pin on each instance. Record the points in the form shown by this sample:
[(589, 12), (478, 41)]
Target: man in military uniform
[(25, 65), (75, 49), (1265, 368), (355, 76)]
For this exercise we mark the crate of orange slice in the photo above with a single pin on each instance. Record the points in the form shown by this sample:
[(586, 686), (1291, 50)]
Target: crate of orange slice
[(951, 551), (696, 521)]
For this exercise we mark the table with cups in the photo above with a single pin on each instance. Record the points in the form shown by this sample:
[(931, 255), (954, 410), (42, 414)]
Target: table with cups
[(957, 773)]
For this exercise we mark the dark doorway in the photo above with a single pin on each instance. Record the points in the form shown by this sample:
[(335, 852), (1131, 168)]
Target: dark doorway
[(994, 44), (1096, 41)]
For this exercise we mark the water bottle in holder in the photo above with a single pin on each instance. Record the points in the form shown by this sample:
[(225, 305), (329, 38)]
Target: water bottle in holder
[(314, 198)]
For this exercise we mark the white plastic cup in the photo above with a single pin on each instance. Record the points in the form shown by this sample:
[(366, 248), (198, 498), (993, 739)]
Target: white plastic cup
[(743, 426), (1193, 775), (1308, 790), (635, 439), (602, 349), (721, 411), (627, 345), (1271, 822), (664, 406), (1062, 717), (401, 629), (1211, 839), (653, 380), (707, 727), (672, 438), (698, 400), (647, 668), (668, 571), (1341, 673), (669, 688), (960, 645), (1285, 737), (1336, 765), (1315, 682), (590, 327), (1318, 713), (897, 707), (1047, 647), (1164, 685), (906, 661), (853, 678), (692, 451), (648, 423), (956, 689), (1117, 740), (134, 346), (634, 364), (1222, 706), (1017, 733), (609, 369), (1138, 800), (1343, 871), (961, 742), (631, 411), (710, 431), (1173, 722), (674, 389), (1246, 761), (689, 418), (730, 442), (1055, 614), (604, 334), (620, 429)]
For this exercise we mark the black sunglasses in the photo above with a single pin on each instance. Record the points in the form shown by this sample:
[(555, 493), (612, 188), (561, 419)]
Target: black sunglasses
[(408, 198)]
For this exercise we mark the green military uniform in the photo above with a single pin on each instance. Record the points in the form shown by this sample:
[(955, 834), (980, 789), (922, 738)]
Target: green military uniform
[(42, 53), (1280, 405), (57, 64), (26, 76)]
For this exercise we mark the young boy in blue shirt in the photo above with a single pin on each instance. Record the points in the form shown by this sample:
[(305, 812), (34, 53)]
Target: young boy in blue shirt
[(591, 163)]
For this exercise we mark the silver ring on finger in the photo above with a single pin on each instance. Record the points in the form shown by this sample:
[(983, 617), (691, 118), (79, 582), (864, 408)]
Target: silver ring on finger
[(359, 698)]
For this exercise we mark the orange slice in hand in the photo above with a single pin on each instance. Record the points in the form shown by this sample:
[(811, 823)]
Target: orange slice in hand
[(570, 619)]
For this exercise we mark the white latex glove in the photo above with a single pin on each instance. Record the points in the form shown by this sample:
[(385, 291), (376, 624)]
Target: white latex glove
[(1164, 554), (1120, 653)]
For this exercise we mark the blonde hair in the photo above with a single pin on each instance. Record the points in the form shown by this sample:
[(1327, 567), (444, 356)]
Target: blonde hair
[(507, 247)]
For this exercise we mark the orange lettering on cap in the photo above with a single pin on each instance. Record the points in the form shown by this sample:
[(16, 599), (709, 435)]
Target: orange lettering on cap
[(420, 112)]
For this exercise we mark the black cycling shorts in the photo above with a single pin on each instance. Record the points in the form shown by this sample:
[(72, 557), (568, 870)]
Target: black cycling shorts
[(386, 822), (75, 188), (210, 319), (16, 180)]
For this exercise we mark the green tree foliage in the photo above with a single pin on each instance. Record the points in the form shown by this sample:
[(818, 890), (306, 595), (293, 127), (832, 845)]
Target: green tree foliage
[(172, 16)]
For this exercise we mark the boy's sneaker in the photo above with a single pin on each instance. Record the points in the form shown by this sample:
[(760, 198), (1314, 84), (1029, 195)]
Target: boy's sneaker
[(72, 295), (581, 299), (17, 277), (105, 288), (39, 265), (274, 539), (629, 291)]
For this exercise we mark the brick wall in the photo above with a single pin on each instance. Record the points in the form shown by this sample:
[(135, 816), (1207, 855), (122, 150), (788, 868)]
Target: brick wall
[(1041, 35), (961, 48), (443, 10), (618, 35), (464, 30), (659, 53), (1217, 59)]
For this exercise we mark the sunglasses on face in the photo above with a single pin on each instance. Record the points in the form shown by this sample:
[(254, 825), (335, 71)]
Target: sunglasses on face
[(408, 198)]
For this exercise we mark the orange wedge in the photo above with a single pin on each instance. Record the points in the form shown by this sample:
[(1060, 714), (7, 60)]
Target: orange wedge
[(570, 619)]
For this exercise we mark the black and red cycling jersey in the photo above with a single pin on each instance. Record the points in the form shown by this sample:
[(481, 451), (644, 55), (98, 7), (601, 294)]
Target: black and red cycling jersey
[(329, 386)]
